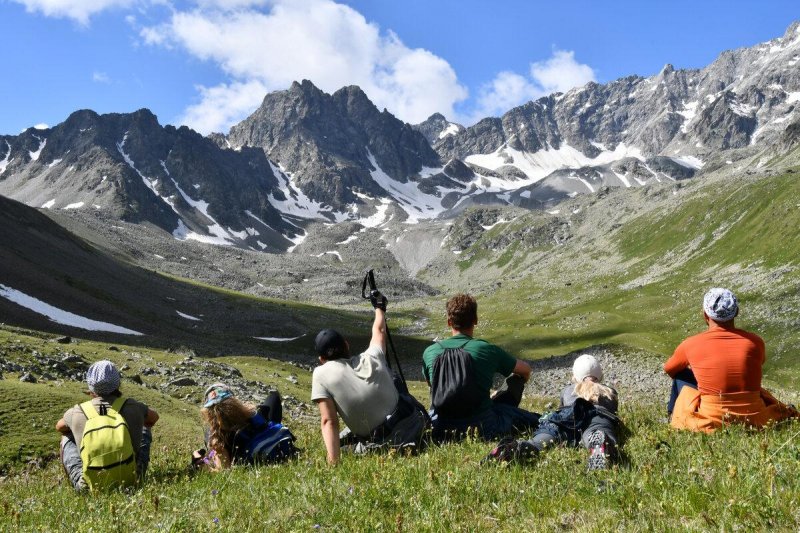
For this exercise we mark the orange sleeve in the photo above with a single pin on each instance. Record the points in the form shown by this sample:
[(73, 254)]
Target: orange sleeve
[(677, 362)]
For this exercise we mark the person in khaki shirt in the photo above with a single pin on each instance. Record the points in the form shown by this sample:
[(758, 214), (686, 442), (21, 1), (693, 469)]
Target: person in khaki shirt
[(103, 380)]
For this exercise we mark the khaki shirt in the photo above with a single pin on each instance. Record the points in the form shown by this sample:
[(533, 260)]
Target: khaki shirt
[(362, 389), (133, 412)]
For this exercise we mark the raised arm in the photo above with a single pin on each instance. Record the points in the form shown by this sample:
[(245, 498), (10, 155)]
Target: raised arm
[(379, 329), (329, 425)]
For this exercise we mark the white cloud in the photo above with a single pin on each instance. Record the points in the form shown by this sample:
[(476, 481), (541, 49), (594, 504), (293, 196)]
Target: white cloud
[(328, 43), (78, 10), (41, 126), (100, 77), (506, 90), (560, 73), (223, 105)]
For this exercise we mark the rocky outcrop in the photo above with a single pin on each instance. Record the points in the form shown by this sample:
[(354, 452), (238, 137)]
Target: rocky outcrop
[(328, 143)]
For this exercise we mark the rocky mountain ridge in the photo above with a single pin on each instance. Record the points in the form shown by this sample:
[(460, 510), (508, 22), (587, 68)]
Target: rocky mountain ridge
[(744, 98), (131, 167), (307, 156)]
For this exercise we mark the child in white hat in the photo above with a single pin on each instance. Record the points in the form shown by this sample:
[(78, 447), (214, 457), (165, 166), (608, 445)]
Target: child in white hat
[(587, 417)]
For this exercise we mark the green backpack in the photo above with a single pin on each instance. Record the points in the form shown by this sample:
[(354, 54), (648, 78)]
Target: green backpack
[(106, 448)]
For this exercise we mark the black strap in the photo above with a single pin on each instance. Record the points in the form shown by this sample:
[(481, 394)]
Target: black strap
[(457, 347), (108, 467)]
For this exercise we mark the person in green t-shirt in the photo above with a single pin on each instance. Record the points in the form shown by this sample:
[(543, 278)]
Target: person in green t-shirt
[(494, 416)]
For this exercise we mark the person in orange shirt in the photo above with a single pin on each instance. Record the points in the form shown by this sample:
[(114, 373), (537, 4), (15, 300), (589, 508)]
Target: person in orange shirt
[(717, 373)]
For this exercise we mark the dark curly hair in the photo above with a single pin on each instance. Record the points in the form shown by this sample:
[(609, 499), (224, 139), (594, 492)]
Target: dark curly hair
[(462, 311)]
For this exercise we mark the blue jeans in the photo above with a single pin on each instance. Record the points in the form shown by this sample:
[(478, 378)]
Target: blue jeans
[(73, 465), (684, 378), (498, 421)]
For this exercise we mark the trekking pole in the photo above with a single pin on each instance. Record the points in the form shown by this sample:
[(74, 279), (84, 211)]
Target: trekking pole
[(369, 280)]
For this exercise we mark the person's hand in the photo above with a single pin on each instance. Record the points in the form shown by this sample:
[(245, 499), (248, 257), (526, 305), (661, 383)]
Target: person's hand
[(378, 300), (197, 458)]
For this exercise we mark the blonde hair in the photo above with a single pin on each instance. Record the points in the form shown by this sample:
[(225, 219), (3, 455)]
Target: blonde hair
[(224, 420), (592, 391)]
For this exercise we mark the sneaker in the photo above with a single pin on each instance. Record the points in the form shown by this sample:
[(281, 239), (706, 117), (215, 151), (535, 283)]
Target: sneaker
[(598, 459)]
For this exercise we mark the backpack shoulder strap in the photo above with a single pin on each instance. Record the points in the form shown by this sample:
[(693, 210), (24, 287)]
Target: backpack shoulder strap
[(258, 421), (89, 410), (118, 404), (443, 348)]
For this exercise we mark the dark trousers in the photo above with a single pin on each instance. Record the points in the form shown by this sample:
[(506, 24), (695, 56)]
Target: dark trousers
[(684, 378), (271, 408), (503, 418)]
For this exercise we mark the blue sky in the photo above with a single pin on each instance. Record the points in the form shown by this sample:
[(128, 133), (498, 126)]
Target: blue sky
[(208, 63)]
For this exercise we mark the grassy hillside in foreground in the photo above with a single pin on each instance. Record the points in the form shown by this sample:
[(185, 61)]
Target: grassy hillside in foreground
[(668, 481), (638, 280)]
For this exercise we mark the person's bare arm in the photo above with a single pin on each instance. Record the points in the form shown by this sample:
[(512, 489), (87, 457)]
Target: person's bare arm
[(379, 330), (150, 419), (329, 425), (62, 427), (522, 369)]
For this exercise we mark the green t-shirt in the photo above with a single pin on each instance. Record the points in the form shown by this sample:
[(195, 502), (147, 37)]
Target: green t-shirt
[(487, 359)]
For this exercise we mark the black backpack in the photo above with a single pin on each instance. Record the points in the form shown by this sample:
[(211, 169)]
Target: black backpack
[(454, 392)]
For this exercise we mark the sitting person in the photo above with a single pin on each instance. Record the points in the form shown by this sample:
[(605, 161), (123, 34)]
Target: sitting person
[(111, 418), (241, 433), (460, 371), (377, 410), (588, 416), (717, 373)]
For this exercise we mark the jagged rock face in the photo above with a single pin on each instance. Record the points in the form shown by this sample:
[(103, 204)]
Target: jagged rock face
[(437, 127), (791, 137), (138, 171), (327, 142), (741, 98)]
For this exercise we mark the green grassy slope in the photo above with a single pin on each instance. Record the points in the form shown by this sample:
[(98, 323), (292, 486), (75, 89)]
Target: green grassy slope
[(659, 263), (642, 283)]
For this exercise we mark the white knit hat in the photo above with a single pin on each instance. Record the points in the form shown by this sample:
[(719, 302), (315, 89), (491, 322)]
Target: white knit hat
[(720, 304), (103, 378), (586, 365)]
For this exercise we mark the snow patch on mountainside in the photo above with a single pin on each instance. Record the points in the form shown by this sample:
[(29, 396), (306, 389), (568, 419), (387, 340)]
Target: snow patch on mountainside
[(689, 161), (35, 154), (379, 217), (417, 204), (60, 316), (451, 129), (188, 317), (149, 183), (296, 202), (218, 235), (278, 339), (538, 165), (7, 159)]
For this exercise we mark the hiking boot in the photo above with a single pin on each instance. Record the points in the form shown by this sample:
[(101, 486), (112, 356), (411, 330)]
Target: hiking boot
[(598, 458), (509, 450)]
